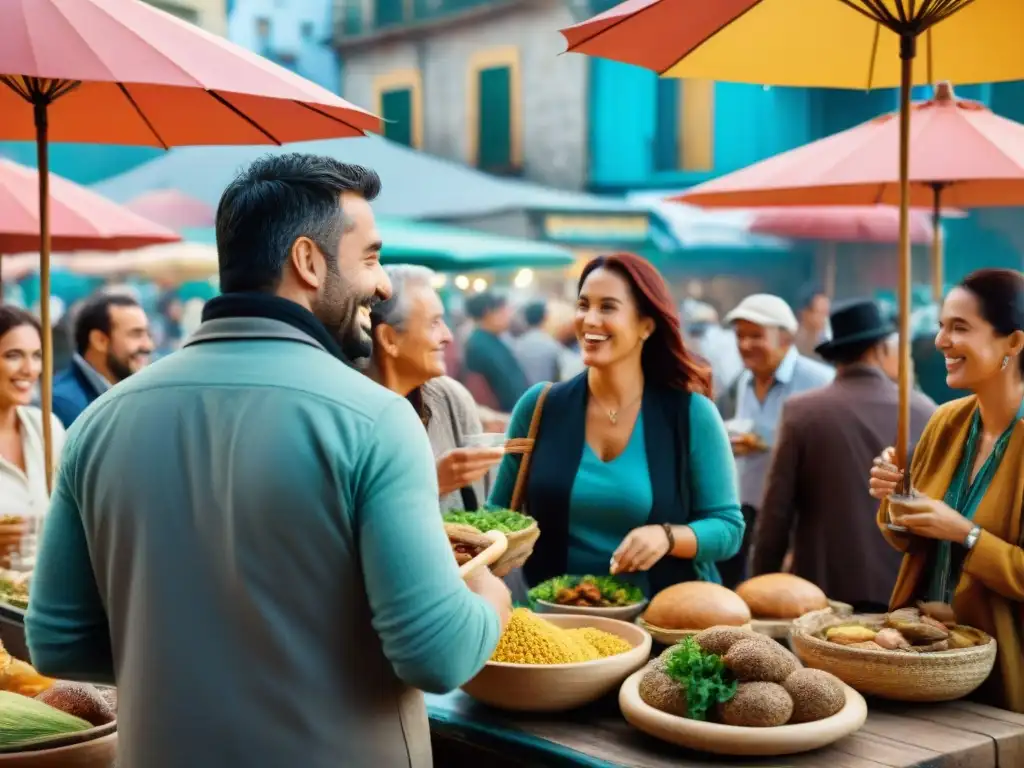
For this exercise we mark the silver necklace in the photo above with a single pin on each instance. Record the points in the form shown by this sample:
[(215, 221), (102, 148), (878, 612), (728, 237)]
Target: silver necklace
[(613, 413)]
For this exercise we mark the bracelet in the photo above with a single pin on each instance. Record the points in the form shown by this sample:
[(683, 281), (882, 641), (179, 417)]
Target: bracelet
[(671, 537), (972, 538)]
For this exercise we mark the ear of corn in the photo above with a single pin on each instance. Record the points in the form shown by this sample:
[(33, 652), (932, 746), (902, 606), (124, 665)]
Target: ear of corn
[(24, 720), (529, 639)]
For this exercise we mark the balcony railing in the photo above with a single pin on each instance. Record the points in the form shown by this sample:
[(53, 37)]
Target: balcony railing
[(356, 18)]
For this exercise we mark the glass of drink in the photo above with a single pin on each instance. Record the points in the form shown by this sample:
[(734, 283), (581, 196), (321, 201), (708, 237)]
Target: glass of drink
[(485, 440), (903, 504)]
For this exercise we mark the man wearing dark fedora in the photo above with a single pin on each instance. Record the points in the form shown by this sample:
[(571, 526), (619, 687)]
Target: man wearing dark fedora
[(816, 497)]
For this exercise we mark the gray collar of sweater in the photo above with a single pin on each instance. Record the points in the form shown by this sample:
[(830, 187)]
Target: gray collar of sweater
[(238, 328)]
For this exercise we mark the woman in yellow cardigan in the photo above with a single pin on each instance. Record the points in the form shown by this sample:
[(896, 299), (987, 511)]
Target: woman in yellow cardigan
[(966, 549)]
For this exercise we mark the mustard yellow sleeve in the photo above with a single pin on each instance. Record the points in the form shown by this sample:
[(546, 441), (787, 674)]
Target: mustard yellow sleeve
[(998, 565), (897, 540)]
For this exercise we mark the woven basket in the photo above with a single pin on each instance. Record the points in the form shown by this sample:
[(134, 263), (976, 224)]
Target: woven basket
[(895, 675), (520, 547)]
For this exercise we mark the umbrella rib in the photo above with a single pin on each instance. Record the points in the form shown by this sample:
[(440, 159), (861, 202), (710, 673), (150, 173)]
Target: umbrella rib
[(241, 114), (142, 115), (718, 30), (329, 116)]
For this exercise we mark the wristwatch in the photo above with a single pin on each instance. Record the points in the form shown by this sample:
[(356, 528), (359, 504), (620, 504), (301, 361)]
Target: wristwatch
[(972, 538)]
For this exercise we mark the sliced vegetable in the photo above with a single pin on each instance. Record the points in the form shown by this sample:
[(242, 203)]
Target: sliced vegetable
[(24, 720), (702, 675)]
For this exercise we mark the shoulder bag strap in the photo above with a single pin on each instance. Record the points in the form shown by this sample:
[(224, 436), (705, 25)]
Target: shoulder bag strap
[(524, 446)]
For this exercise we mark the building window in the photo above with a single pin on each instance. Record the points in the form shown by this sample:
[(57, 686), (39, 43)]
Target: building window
[(684, 127), (666, 125), (387, 13), (494, 111), (399, 97), (181, 11)]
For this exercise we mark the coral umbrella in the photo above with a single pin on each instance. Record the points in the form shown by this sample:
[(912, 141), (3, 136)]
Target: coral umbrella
[(961, 154), (124, 72), (840, 224), (173, 208), (827, 44), (80, 218)]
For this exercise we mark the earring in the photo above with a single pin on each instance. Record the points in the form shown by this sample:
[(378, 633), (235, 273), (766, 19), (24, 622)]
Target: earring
[(1006, 361)]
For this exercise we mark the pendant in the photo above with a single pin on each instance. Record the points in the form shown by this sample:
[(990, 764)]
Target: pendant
[(613, 417)]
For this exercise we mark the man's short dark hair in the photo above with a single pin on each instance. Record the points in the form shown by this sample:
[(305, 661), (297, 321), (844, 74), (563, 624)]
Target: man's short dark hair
[(272, 203), (534, 313), (94, 315), (479, 305), (807, 296)]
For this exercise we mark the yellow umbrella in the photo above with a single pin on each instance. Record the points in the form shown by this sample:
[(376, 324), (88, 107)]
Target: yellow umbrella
[(828, 44)]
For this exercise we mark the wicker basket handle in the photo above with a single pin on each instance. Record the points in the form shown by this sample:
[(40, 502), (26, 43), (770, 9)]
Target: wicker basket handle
[(524, 446)]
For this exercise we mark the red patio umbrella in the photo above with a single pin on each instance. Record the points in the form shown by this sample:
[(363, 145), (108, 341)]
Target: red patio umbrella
[(124, 72), (173, 208)]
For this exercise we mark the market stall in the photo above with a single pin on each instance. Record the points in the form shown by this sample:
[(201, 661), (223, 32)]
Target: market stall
[(960, 734)]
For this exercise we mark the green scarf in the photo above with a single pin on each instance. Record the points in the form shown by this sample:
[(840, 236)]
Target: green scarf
[(964, 496)]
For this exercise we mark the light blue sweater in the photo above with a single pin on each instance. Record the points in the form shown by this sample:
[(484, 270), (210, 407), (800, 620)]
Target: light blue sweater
[(245, 538)]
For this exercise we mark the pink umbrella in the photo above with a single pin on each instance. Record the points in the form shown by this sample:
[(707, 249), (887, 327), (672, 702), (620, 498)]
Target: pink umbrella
[(173, 209), (841, 224), (80, 219), (125, 72)]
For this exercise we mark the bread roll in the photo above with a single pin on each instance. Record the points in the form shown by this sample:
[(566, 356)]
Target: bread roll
[(696, 605), (781, 596)]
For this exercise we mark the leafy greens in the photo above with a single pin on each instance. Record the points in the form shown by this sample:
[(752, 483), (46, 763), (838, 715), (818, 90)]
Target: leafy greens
[(492, 519), (706, 680)]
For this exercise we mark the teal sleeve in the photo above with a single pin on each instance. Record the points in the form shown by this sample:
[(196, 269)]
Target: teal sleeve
[(715, 519), (518, 426), (66, 626), (436, 633)]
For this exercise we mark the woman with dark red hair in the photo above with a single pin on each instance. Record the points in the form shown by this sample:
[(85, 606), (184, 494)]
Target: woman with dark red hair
[(629, 470)]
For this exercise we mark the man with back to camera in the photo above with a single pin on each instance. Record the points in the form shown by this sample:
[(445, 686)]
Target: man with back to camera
[(270, 579), (112, 341)]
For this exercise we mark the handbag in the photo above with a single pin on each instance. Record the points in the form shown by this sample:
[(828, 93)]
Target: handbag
[(524, 446)]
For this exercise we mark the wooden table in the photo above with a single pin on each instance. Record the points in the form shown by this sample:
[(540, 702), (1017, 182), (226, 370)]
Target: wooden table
[(954, 735)]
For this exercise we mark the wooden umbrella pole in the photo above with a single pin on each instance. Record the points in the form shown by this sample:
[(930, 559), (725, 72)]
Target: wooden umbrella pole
[(43, 161), (907, 50), (938, 276)]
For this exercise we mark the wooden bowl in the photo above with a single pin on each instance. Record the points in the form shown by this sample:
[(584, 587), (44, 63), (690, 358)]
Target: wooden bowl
[(620, 612), (673, 636), (93, 748), (894, 675), (558, 687), (733, 740)]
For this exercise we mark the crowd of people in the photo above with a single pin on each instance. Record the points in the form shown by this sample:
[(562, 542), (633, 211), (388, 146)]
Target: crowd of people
[(248, 530)]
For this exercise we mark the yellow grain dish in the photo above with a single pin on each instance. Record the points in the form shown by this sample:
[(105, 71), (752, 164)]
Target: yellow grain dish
[(605, 643), (529, 639)]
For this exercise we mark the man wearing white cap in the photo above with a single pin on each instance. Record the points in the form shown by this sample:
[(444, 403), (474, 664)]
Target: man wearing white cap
[(774, 369)]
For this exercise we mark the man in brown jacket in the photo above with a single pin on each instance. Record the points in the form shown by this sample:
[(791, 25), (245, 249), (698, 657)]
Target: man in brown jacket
[(817, 491)]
